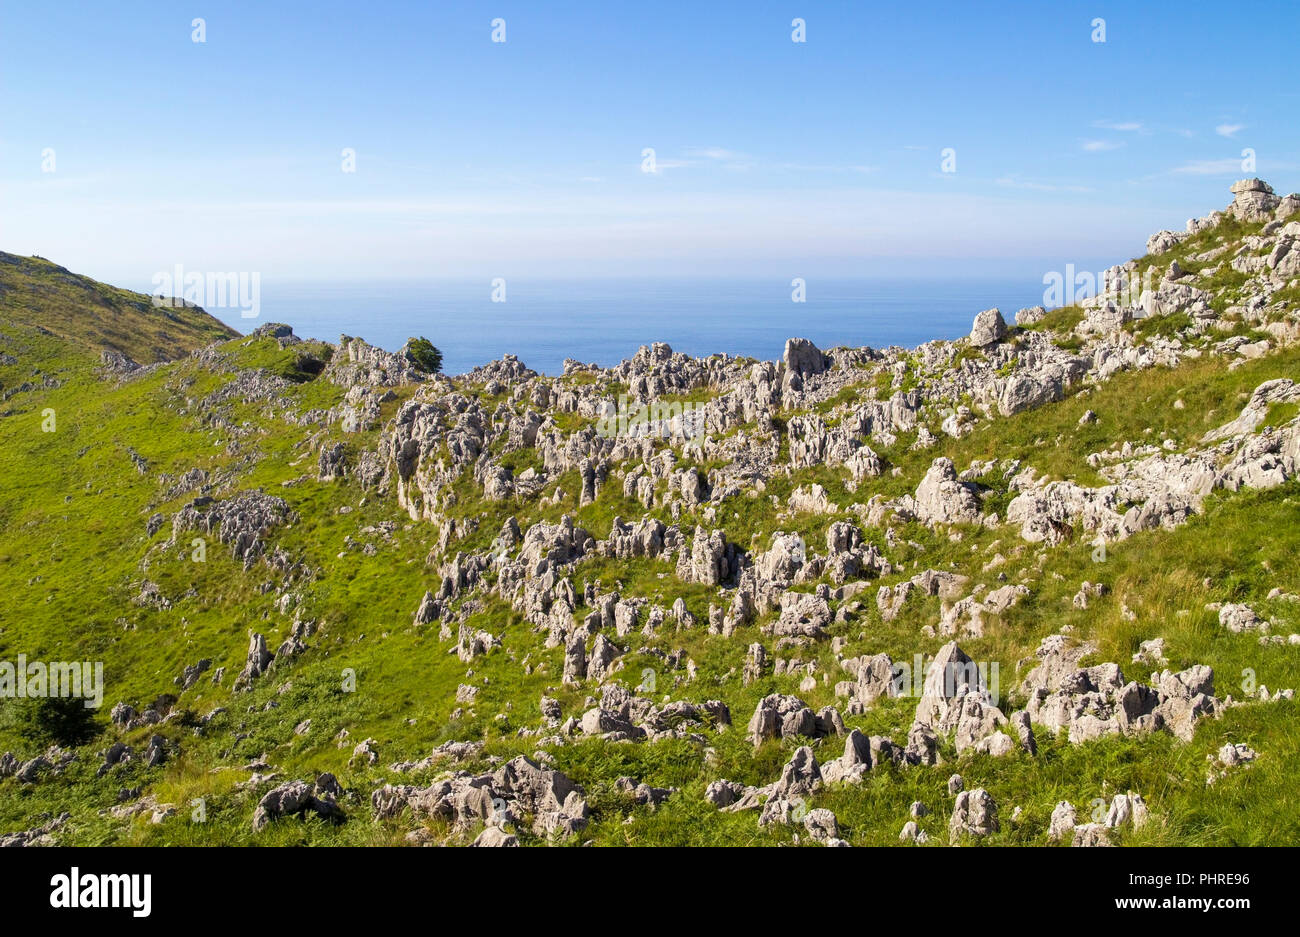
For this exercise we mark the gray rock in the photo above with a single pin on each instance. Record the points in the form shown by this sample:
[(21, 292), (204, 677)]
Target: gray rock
[(493, 836), (724, 793), (942, 498), (801, 775), (911, 833), (1062, 823), (988, 329), (332, 463), (1127, 810), (299, 797), (1090, 835), (853, 765), (974, 814), (1096, 701), (1024, 731), (1253, 200), (755, 664), (779, 716), (1030, 316), (258, 659), (821, 825), (803, 358)]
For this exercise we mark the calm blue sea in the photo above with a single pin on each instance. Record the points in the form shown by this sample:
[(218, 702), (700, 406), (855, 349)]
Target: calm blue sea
[(605, 321)]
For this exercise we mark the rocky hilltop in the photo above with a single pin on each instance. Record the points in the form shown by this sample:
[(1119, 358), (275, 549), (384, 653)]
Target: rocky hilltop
[(1031, 586)]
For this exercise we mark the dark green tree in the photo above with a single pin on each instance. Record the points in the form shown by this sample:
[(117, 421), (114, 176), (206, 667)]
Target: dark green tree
[(424, 355), (62, 719)]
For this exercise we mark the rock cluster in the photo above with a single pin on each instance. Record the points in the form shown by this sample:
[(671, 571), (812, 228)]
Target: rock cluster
[(517, 791), (1091, 702), (299, 797)]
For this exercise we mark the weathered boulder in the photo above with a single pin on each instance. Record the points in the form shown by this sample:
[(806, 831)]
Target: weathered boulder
[(988, 329), (298, 797), (1031, 315), (1253, 200), (803, 358), (778, 716), (942, 498), (974, 814), (258, 659), (1062, 823)]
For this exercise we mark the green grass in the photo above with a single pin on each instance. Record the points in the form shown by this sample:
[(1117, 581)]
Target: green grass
[(39, 294), (1062, 319), (1227, 231), (1168, 326)]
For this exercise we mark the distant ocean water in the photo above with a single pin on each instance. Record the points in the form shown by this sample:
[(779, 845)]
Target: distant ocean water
[(605, 321)]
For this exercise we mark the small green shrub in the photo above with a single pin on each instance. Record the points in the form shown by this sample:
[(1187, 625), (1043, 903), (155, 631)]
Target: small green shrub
[(424, 355)]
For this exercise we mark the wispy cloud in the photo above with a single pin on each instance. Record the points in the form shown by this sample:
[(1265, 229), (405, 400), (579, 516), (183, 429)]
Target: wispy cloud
[(1101, 146), (1230, 167), (1127, 126), (716, 153), (1209, 167), (1228, 130), (661, 164), (1012, 182), (705, 156), (807, 167)]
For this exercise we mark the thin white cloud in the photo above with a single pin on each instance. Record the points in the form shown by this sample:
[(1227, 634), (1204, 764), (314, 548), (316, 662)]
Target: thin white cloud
[(1209, 167), (716, 153), (1228, 130), (1231, 167), (1127, 126), (1100, 146), (1013, 182), (703, 156), (806, 167), (661, 164)]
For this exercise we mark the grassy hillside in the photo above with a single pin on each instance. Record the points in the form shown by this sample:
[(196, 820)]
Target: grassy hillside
[(39, 294)]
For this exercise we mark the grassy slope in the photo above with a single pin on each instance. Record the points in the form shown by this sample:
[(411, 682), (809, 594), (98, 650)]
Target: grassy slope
[(37, 293)]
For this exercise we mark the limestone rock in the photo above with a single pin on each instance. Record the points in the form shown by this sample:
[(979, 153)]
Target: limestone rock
[(988, 329), (974, 814)]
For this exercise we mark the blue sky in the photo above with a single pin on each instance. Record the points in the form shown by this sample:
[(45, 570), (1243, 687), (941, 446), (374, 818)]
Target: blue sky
[(524, 158)]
